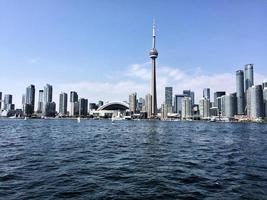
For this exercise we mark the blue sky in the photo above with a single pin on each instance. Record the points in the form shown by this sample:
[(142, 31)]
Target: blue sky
[(100, 48)]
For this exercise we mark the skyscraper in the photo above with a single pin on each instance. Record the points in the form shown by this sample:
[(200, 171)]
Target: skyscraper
[(8, 102), (240, 92), (216, 95), (83, 107), (40, 105), (206, 93), (73, 101), (30, 100), (178, 103), (168, 96), (186, 108), (48, 93), (230, 105), (249, 76), (256, 98), (132, 102), (204, 107), (191, 94), (63, 103), (153, 55)]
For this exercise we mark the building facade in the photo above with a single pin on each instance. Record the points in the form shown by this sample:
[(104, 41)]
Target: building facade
[(40, 104), (133, 102), (74, 110), (178, 103), (256, 102), (206, 93), (83, 107), (204, 108), (249, 76), (230, 105), (30, 100), (240, 94), (186, 108), (63, 103)]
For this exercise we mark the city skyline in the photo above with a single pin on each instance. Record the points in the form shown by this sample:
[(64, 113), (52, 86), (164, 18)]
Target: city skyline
[(187, 59)]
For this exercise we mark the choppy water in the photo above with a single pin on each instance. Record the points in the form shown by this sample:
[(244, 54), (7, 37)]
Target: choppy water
[(54, 159)]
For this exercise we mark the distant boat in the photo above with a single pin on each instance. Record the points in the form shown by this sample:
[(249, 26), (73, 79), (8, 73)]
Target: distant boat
[(25, 118), (78, 119)]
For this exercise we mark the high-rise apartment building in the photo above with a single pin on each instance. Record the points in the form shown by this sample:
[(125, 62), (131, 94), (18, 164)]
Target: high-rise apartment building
[(240, 94), (249, 76), (29, 100), (63, 103), (204, 108), (133, 102), (230, 105), (191, 94), (216, 95), (48, 95), (256, 102), (40, 104), (83, 107), (206, 93), (186, 108), (74, 110), (178, 103)]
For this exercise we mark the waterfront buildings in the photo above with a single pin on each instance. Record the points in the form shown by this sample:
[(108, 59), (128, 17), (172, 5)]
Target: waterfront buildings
[(74, 105), (40, 103), (191, 94), (230, 105), (186, 108), (83, 107), (256, 102), (29, 100), (49, 106), (153, 53), (216, 95), (133, 102), (8, 103), (249, 76), (206, 93), (168, 99), (50, 109), (178, 103), (63, 103), (240, 94), (204, 108), (48, 93), (168, 96)]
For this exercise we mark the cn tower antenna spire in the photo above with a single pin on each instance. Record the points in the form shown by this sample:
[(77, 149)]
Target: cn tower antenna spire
[(154, 34)]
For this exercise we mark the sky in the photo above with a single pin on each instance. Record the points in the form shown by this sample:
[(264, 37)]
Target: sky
[(99, 48)]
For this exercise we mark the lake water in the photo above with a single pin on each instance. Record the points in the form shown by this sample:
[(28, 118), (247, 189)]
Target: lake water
[(98, 159)]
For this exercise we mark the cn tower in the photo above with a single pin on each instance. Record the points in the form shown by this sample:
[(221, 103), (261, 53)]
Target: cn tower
[(153, 55)]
